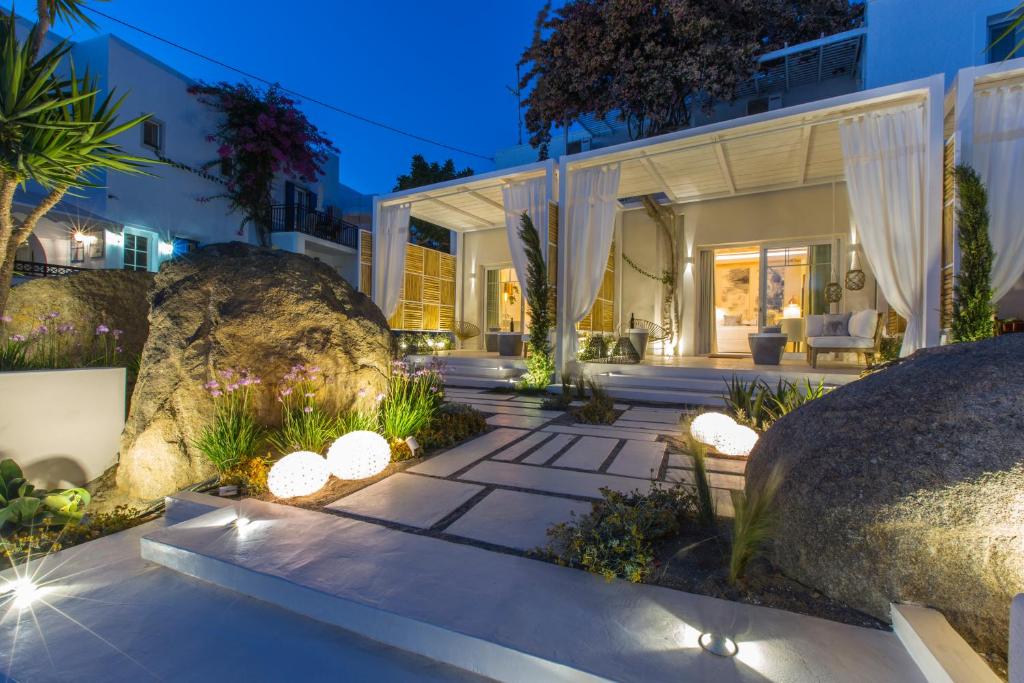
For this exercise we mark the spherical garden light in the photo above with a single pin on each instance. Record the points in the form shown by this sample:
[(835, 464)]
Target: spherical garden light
[(736, 440), (358, 455), (302, 473), (707, 426)]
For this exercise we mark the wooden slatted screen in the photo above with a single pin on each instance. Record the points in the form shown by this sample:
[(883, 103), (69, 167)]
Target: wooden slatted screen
[(601, 318), (365, 261)]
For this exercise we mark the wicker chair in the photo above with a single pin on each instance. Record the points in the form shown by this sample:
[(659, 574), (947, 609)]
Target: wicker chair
[(464, 331), (655, 332)]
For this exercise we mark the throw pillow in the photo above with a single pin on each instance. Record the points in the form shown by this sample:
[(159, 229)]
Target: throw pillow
[(836, 325), (863, 323), (815, 326)]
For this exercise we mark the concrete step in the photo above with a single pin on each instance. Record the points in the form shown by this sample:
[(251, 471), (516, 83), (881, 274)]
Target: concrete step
[(502, 616), (669, 396), (692, 384)]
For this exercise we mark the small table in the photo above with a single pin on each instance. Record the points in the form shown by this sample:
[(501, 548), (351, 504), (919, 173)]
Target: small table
[(638, 337), (767, 348), (510, 343), (795, 331)]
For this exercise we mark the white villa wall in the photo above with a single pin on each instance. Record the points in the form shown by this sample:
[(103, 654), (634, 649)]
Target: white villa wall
[(908, 40), (481, 249), (62, 426), (820, 213)]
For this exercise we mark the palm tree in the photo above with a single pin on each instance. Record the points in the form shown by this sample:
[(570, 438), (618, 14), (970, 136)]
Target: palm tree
[(55, 131), (1011, 30)]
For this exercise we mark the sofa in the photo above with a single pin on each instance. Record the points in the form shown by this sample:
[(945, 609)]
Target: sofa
[(859, 333)]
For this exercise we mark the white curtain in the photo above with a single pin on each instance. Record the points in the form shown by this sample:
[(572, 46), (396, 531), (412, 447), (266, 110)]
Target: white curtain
[(389, 256), (529, 196), (590, 226), (999, 160), (884, 158)]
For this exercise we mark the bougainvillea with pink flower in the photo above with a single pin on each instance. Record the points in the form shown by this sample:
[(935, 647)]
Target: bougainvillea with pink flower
[(262, 134)]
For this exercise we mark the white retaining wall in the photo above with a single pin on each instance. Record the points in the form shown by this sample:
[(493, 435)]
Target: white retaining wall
[(62, 426)]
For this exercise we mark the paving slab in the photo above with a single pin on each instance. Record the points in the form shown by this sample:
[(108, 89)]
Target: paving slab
[(657, 428), (603, 430), (716, 479), (451, 461), (647, 415), (514, 519), (639, 459), (408, 499), (618, 406), (518, 421), (521, 446), (480, 394), (683, 460), (510, 408), (589, 453), (530, 399), (549, 479), (505, 616), (548, 450)]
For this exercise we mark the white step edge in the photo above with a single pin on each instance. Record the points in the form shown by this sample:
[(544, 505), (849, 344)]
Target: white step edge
[(185, 505), (939, 651)]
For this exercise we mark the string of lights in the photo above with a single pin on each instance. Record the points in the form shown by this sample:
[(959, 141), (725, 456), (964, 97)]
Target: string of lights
[(302, 96)]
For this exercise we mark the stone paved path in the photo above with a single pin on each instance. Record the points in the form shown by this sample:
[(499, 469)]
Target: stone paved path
[(506, 487)]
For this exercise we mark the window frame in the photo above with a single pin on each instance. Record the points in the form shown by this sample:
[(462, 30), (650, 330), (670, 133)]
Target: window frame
[(161, 134)]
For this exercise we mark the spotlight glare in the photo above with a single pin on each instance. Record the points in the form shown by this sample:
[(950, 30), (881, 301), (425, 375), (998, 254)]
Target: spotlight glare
[(24, 590)]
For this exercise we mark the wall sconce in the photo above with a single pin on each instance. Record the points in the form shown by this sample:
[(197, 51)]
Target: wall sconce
[(166, 248), (114, 239), (83, 237)]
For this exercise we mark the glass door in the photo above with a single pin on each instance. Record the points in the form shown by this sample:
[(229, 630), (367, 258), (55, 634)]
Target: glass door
[(504, 306), (737, 297), (794, 280)]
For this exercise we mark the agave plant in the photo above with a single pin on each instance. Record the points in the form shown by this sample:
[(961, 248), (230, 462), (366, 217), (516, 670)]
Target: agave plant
[(56, 131), (21, 504)]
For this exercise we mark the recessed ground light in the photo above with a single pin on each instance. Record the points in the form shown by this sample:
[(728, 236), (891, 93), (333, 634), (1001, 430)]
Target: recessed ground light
[(241, 522), (718, 645)]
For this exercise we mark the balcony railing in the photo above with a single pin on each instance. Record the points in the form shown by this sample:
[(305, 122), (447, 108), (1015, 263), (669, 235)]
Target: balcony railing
[(33, 269), (321, 224)]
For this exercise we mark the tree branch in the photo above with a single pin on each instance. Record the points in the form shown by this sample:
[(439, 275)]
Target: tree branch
[(22, 232)]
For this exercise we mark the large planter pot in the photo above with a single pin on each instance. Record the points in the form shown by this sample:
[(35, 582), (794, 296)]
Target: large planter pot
[(62, 427)]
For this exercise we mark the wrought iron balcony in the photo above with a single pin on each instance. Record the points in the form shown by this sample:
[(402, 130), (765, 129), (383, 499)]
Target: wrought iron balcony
[(322, 224), (33, 269)]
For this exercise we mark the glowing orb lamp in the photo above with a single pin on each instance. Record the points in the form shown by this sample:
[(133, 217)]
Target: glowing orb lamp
[(358, 455), (298, 474), (737, 440), (707, 426)]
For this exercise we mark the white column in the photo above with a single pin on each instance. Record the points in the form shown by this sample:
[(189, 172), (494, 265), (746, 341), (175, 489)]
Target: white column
[(932, 224)]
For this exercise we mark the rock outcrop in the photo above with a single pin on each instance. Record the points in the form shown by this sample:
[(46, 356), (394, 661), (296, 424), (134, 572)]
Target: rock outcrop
[(118, 299), (241, 307), (908, 485)]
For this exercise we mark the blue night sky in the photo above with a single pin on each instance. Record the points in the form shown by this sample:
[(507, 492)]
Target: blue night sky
[(438, 69)]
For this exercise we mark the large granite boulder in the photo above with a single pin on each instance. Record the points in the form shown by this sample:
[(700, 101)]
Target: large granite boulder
[(242, 307), (908, 485), (118, 299)]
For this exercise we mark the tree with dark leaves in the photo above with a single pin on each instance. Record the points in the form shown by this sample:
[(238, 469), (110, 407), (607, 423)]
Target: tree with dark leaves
[(422, 172), (649, 61)]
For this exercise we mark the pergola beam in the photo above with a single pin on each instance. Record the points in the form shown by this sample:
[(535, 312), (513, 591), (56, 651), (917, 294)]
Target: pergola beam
[(472, 216), (723, 165), (658, 178), (486, 200), (805, 150)]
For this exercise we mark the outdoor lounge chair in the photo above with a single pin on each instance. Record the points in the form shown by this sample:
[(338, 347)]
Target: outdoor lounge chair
[(859, 333)]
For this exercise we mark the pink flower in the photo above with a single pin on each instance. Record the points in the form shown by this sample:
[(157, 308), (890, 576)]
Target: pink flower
[(380, 397), (102, 329), (117, 333), (361, 393), (308, 409), (5, 318), (18, 338), (286, 391), (212, 384), (52, 314), (215, 393), (118, 349), (309, 394)]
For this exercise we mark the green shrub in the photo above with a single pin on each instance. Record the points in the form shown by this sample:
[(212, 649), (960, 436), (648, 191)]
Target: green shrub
[(889, 348), (757, 405), (411, 399), (600, 409), (306, 425), (973, 309), (234, 433), (453, 423), (753, 524), (616, 538), (705, 500), (594, 347), (22, 504), (540, 363), (356, 421)]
